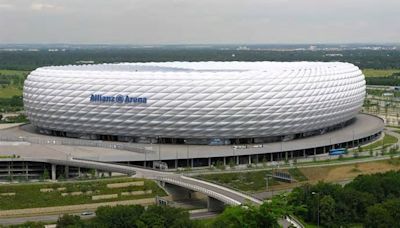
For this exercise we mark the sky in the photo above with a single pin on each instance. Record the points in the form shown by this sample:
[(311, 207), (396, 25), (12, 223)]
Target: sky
[(199, 21)]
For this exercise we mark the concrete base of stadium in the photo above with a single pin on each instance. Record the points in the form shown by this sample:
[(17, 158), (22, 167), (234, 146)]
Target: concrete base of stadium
[(19, 169), (27, 144)]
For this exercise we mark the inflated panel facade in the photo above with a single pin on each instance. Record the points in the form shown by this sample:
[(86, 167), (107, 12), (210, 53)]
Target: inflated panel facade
[(194, 99)]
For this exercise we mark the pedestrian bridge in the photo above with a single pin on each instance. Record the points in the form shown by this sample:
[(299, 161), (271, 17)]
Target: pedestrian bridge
[(178, 186)]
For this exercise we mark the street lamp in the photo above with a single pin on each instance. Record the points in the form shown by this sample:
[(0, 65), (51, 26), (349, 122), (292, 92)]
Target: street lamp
[(315, 193)]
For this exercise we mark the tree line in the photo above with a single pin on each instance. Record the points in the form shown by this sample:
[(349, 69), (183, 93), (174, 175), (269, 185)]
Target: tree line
[(392, 80), (370, 200), (26, 60), (135, 216)]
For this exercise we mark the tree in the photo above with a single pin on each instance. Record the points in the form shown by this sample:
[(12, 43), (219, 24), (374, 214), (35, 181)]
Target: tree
[(69, 221), (118, 216), (393, 207), (165, 216), (232, 163), (46, 174), (327, 211), (377, 216), (247, 216)]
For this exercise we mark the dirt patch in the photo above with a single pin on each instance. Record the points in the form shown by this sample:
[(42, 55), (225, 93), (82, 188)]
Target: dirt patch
[(345, 172), (340, 172)]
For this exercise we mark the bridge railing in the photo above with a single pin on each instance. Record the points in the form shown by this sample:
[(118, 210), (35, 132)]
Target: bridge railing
[(205, 191), (74, 142)]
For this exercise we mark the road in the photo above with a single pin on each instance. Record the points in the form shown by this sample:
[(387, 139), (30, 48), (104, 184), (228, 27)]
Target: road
[(54, 218), (39, 218)]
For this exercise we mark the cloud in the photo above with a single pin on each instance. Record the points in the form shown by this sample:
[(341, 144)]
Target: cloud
[(45, 6), (5, 6), (194, 21)]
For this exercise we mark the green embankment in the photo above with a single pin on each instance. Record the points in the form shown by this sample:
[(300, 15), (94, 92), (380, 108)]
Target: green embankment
[(386, 141), (28, 195), (251, 181)]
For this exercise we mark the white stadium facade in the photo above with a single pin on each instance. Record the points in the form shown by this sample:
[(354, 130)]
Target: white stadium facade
[(277, 108)]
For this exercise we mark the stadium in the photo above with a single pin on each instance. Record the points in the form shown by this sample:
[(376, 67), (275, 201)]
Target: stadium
[(192, 114), (194, 102)]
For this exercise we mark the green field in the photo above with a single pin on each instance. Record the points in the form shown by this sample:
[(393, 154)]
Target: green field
[(251, 181), (11, 83), (386, 141), (28, 195), (379, 73), (10, 91)]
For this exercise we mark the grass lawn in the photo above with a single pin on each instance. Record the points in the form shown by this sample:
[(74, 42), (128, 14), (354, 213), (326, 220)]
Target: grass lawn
[(11, 82), (13, 72), (251, 181), (10, 91), (378, 72), (387, 140), (28, 195)]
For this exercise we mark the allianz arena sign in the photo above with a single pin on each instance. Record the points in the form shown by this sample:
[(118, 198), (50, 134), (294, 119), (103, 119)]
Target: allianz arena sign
[(98, 98)]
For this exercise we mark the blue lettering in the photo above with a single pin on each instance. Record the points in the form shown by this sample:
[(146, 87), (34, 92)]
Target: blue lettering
[(117, 99)]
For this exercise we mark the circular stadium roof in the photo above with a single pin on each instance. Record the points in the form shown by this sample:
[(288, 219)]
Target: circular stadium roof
[(194, 99)]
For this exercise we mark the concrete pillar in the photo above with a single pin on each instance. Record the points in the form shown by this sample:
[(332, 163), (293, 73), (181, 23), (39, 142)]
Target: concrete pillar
[(224, 161), (286, 156), (66, 170), (315, 151), (96, 173), (177, 192), (79, 171), (272, 157), (26, 171), (176, 163), (237, 160), (291, 154), (304, 153), (191, 162), (214, 205), (249, 159), (53, 172), (209, 162)]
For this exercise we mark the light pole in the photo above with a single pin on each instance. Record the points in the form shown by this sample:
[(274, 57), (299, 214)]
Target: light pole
[(315, 193), (266, 184)]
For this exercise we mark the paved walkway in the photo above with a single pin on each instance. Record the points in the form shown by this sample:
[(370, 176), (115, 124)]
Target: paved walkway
[(363, 126), (221, 193)]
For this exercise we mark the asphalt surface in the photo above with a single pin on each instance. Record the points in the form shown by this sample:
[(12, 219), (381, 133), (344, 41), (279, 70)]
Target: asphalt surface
[(54, 218), (39, 218)]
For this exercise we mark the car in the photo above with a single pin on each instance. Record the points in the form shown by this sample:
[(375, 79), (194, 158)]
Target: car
[(86, 213)]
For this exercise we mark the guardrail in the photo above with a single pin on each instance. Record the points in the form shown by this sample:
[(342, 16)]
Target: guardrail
[(74, 142), (122, 164), (205, 191), (294, 221)]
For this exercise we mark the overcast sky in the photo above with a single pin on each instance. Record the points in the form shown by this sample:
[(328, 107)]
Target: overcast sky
[(199, 21)]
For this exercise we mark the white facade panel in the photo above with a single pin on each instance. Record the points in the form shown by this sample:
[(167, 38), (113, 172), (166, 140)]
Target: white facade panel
[(194, 99)]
